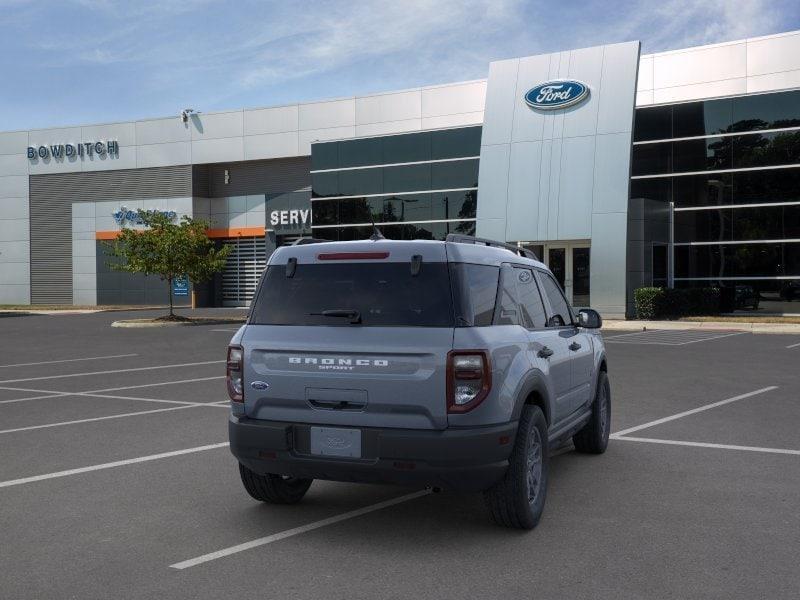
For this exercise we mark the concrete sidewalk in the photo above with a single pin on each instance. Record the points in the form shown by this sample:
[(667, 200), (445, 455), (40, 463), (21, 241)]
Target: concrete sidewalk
[(751, 326)]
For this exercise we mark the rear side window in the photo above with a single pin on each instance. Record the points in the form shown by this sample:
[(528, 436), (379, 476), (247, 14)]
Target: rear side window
[(383, 294), (561, 313), (507, 298), (474, 293), (533, 315)]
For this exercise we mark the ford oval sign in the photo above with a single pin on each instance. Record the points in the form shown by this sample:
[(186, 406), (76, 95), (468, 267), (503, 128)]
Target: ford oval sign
[(556, 94)]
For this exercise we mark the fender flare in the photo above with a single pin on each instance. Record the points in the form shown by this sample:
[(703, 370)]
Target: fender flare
[(534, 382)]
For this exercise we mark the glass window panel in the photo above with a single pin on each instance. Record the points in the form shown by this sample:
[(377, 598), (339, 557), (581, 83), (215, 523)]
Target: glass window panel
[(454, 205), (325, 184), (386, 294), (325, 212), (325, 156), (766, 223), (462, 227), (766, 149), (702, 155), (652, 189), (530, 299), (581, 266), (537, 249), (413, 207), (766, 111), (354, 210), (507, 311), (703, 190), (701, 118), (660, 264), (326, 233), (361, 181), (652, 159), (458, 174), (409, 178), (454, 143), (357, 153), (703, 225), (561, 314), (737, 260), (475, 291), (774, 185), (653, 123), (413, 147)]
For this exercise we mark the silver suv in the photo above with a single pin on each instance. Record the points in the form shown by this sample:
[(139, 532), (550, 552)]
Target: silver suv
[(455, 364)]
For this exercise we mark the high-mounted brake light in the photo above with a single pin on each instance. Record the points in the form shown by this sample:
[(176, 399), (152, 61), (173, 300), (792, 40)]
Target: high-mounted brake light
[(234, 373), (352, 255), (469, 379)]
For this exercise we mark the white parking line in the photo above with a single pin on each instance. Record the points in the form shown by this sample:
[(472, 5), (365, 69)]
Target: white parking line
[(708, 445), (110, 465), (227, 330), (793, 346), (296, 531), (195, 364), (671, 337), (693, 411), (96, 393), (92, 420), (66, 360)]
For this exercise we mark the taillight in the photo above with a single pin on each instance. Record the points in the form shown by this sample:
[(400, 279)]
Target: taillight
[(469, 378), (234, 373)]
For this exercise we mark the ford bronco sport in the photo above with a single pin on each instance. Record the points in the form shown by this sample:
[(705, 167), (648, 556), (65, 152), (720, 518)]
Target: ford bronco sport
[(455, 364)]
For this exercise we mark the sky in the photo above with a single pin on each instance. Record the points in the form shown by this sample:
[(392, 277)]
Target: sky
[(73, 62)]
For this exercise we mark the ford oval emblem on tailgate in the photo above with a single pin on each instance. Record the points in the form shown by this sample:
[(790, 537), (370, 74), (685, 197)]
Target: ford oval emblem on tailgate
[(259, 385)]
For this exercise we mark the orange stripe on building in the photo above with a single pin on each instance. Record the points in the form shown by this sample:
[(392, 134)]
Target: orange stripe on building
[(235, 232), (228, 232)]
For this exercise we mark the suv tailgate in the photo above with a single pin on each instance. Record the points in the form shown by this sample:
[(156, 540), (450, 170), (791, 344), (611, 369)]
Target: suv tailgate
[(361, 376)]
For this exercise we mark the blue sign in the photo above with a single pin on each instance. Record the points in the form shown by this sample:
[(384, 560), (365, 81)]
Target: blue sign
[(180, 286), (125, 215), (556, 94)]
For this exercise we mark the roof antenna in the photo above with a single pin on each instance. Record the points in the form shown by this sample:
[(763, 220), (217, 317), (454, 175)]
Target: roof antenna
[(376, 233)]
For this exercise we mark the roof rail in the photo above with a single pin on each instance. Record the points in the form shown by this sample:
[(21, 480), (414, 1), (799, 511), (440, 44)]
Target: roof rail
[(469, 239)]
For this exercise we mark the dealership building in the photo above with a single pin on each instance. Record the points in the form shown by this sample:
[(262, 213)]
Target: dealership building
[(619, 170)]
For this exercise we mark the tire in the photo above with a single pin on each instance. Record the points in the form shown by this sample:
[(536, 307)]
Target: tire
[(517, 500), (593, 438), (274, 489)]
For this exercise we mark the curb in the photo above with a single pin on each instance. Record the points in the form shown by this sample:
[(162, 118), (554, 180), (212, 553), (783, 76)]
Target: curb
[(751, 327), (145, 324)]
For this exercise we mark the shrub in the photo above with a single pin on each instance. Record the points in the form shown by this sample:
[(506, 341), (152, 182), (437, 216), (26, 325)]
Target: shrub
[(648, 301), (661, 303)]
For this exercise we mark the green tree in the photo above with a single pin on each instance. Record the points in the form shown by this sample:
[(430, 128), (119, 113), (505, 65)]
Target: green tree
[(168, 249)]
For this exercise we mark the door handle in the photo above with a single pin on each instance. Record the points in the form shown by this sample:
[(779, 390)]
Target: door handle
[(545, 352), (574, 346)]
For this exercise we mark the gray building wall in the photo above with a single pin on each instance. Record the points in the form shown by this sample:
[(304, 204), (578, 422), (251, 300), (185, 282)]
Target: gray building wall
[(54, 273), (562, 174)]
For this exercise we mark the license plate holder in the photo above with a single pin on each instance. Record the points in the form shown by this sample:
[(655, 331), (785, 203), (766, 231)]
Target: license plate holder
[(334, 441)]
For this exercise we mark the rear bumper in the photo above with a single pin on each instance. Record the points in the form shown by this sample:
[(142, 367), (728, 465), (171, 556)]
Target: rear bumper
[(460, 459)]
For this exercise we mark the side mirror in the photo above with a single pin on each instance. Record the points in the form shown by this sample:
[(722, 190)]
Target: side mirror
[(589, 318)]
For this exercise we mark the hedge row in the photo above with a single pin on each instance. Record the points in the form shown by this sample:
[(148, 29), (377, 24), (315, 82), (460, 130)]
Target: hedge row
[(661, 303)]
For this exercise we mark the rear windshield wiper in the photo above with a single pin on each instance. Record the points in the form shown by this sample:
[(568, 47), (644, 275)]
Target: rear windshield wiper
[(346, 313)]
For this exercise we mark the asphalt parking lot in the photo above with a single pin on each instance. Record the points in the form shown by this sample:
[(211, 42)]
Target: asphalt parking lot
[(115, 481)]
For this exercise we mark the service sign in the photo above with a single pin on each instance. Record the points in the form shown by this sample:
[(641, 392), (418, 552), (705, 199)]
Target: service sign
[(553, 95), (294, 217)]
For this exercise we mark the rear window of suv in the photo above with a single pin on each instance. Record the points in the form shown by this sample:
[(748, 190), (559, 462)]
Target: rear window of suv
[(383, 294)]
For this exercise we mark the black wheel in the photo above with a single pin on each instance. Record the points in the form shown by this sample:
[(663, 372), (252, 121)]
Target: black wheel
[(593, 438), (518, 499), (275, 489)]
